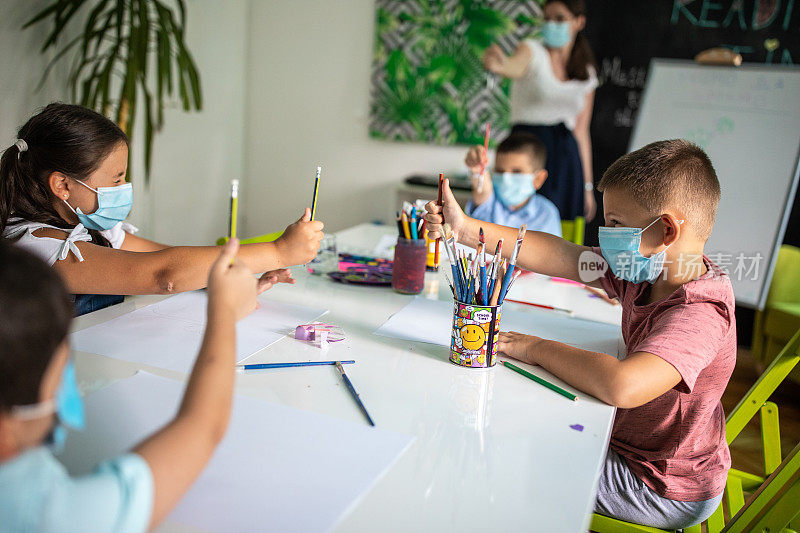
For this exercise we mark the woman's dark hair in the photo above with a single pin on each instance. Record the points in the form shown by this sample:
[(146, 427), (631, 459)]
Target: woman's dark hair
[(35, 315), (581, 56), (65, 138)]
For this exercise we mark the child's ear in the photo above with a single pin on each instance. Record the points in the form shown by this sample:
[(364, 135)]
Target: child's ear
[(8, 441), (59, 185), (672, 228), (539, 178)]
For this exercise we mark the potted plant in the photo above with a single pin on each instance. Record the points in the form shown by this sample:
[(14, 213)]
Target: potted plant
[(129, 52)]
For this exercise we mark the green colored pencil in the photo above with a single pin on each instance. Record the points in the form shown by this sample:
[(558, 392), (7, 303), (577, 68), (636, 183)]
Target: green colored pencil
[(541, 381)]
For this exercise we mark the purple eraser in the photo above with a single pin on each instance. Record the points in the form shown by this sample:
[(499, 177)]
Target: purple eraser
[(304, 333), (577, 427)]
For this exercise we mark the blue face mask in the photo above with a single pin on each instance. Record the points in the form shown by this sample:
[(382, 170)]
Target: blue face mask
[(513, 189), (113, 206), (68, 406), (620, 247), (556, 34)]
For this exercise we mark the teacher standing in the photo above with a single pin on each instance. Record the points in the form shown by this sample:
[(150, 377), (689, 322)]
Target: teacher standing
[(552, 97)]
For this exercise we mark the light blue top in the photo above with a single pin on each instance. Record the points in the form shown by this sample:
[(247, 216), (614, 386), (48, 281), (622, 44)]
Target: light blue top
[(38, 495), (540, 214)]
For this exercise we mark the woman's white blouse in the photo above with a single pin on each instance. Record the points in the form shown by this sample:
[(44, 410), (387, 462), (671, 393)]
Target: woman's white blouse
[(538, 97)]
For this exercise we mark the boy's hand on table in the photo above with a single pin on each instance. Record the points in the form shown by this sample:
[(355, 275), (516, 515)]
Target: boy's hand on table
[(518, 346), (231, 287), (300, 241), (271, 278), (450, 212)]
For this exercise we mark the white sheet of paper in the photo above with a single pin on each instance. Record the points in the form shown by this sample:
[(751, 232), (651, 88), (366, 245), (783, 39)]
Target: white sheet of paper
[(385, 247), (277, 469), (431, 321), (168, 334)]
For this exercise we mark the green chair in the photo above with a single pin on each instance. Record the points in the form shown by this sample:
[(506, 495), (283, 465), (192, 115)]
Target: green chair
[(776, 504), (780, 318), (755, 401), (573, 230), (269, 237)]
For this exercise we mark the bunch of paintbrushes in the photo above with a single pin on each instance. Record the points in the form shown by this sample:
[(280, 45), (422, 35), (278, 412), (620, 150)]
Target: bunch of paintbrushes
[(477, 281), (410, 224)]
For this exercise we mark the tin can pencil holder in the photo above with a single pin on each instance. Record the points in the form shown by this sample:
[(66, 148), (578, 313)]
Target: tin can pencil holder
[(408, 268), (473, 341)]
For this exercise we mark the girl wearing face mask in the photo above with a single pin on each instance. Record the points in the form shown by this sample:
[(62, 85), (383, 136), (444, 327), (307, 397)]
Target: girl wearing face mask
[(552, 95), (64, 197), (40, 402)]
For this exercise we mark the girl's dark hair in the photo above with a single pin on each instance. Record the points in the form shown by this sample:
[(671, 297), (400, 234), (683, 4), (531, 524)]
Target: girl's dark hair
[(35, 315), (581, 56), (65, 138)]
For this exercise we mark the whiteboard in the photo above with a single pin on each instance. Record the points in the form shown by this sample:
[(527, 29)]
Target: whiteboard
[(747, 119)]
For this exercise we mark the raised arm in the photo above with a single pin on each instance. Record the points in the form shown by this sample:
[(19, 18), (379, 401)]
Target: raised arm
[(541, 252), (513, 66), (178, 268), (178, 453)]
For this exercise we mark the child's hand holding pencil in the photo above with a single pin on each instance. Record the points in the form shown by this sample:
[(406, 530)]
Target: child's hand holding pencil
[(449, 211), (300, 241)]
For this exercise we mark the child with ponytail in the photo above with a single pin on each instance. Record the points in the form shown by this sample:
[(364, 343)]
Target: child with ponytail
[(63, 196)]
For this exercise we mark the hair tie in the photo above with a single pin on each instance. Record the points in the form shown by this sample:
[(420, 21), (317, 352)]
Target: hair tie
[(22, 146)]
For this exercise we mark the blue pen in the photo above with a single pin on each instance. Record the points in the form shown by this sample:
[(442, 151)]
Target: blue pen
[(413, 222), (264, 366)]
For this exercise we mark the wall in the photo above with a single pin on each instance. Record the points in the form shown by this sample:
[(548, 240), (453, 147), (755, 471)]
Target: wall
[(286, 87), (308, 104), (196, 154)]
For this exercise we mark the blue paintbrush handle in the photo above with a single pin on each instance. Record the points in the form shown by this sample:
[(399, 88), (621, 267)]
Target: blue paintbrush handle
[(484, 287), (504, 286), (357, 398), (263, 366)]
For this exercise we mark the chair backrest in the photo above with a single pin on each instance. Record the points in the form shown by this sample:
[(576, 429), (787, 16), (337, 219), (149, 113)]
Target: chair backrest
[(760, 392), (269, 237), (785, 285), (573, 230), (775, 503)]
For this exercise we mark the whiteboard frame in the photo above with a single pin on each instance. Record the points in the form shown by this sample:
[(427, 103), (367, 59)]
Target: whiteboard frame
[(792, 189)]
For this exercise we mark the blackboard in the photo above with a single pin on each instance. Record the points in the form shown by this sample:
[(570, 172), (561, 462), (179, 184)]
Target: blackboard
[(626, 35)]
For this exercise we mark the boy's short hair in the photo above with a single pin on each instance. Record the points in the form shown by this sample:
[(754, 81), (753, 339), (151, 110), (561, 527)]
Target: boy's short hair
[(35, 314), (676, 173), (525, 142)]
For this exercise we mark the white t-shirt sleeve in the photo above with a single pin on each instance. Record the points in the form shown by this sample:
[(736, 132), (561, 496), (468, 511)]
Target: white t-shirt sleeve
[(592, 83), (48, 248), (116, 235), (117, 496)]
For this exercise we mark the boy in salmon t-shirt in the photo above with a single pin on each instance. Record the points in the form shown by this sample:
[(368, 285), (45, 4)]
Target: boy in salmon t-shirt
[(668, 458)]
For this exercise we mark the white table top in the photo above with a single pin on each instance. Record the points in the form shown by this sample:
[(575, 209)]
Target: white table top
[(493, 450)]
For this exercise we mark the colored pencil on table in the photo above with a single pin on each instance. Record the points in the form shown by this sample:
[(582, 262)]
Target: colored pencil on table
[(541, 381), (353, 393), (541, 306), (316, 190), (264, 366)]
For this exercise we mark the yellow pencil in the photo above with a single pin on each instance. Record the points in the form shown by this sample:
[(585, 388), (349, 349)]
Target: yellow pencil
[(316, 190), (234, 208), (404, 221)]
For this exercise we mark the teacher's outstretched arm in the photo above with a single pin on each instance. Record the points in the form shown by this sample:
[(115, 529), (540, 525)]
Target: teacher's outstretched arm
[(513, 66)]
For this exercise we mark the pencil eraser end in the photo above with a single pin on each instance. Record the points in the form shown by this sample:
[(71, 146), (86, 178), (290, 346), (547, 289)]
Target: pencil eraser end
[(304, 333)]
